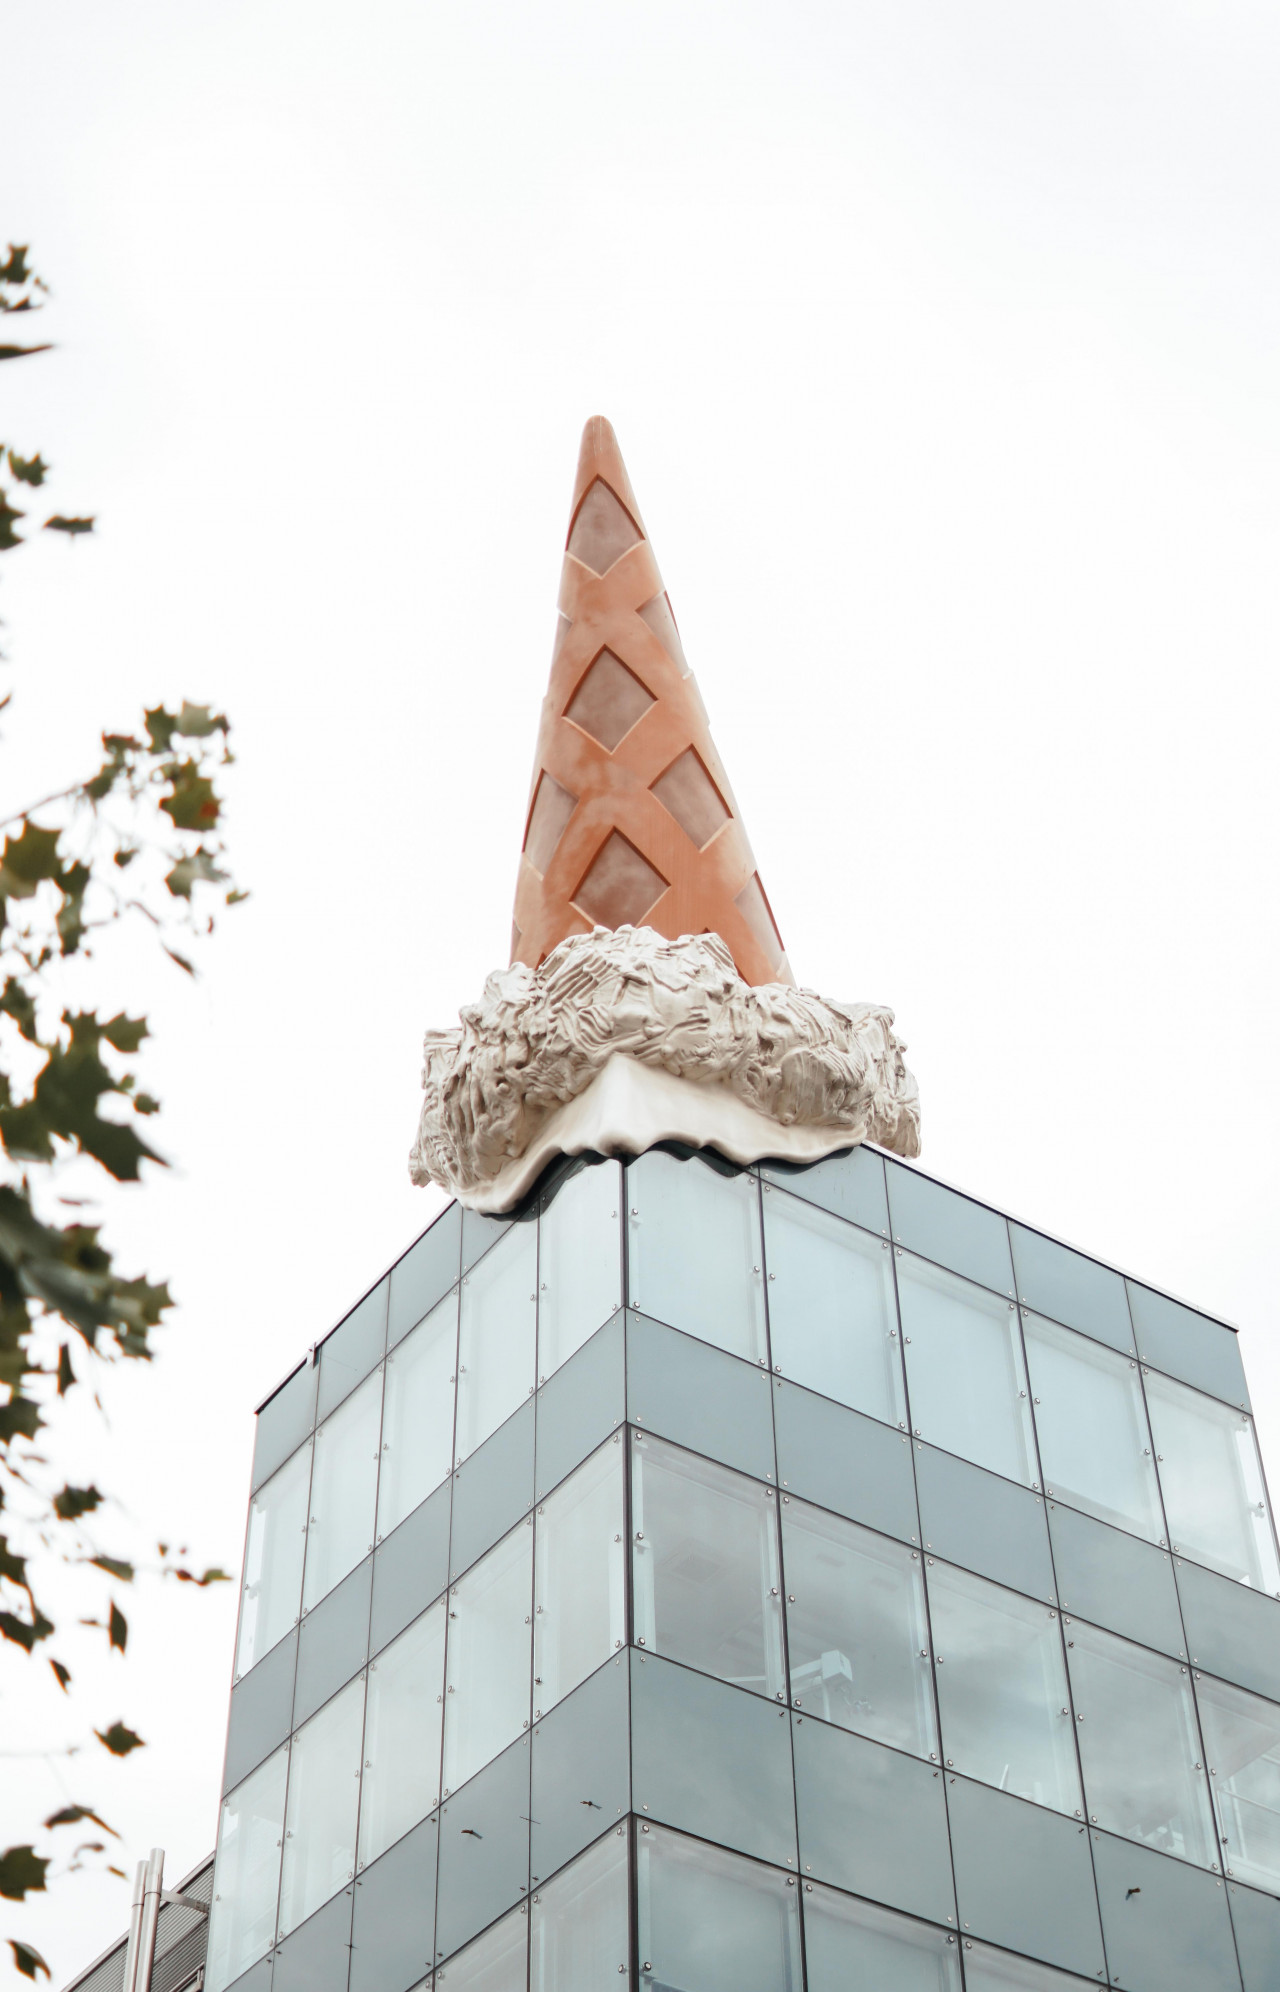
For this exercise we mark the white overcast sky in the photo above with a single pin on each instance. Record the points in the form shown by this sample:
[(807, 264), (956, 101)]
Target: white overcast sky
[(941, 340)]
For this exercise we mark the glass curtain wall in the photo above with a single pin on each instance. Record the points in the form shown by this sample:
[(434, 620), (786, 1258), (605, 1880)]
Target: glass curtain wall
[(580, 1610), (272, 1593), (344, 1490), (695, 1253), (833, 1324)]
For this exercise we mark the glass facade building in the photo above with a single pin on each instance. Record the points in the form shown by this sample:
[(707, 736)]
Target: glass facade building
[(745, 1580)]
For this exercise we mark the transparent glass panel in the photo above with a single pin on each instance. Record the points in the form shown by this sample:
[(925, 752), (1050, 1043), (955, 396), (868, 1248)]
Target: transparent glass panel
[(495, 1962), (987, 1970), (1139, 1745), (579, 1565), (712, 1921), (320, 1819), (417, 1416), (486, 1700), (497, 1338), (1095, 1450), (1002, 1689), (964, 1370), (344, 1490), (857, 1633), (580, 1933), (695, 1258), (246, 1877), (402, 1734), (579, 1263), (273, 1560), (1242, 1737), (852, 1943), (705, 1567), (833, 1322), (1212, 1483)]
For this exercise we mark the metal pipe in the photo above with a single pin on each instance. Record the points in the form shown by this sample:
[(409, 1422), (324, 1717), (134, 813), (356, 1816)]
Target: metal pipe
[(130, 1981), (153, 1889)]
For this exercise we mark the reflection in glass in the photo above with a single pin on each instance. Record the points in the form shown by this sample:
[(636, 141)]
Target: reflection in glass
[(1212, 1483), (402, 1734), (964, 1370), (833, 1324), (344, 1491), (497, 1337), (579, 1937), (857, 1635), (713, 1922), (852, 1943), (988, 1970), (320, 1819), (1242, 1737), (246, 1877), (417, 1416), (1002, 1688), (486, 1701), (1139, 1745), (579, 1614), (273, 1559), (1094, 1446), (579, 1264), (705, 1567), (695, 1251), (495, 1962)]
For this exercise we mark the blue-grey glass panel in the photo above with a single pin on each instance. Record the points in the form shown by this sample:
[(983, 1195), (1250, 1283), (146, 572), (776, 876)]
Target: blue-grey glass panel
[(833, 1317), (699, 1397), (845, 1462), (984, 1523), (480, 1232), (316, 1956), (410, 1568), (851, 1185), (484, 1849), (1257, 1926), (1067, 1287), (1231, 1630), (1165, 1924), (580, 1405), (950, 1229), (256, 1979), (352, 1350), (694, 1253), (711, 1760), (990, 1970), (872, 1821), (1024, 1877), (1116, 1581), (965, 1370), (710, 1921), (851, 1943), (261, 1711), (580, 1924), (425, 1274), (581, 1769), (284, 1422), (1188, 1345), (1242, 1748), (393, 1927), (334, 1642), (492, 1490)]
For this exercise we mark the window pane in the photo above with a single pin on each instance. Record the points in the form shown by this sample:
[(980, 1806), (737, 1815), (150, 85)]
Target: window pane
[(1242, 1737), (695, 1251), (486, 1700), (580, 1933), (273, 1560), (857, 1634), (996, 1971), (1094, 1446), (246, 1879), (851, 1943), (417, 1418), (497, 1339), (495, 1962), (713, 1922), (706, 1567), (402, 1734), (344, 1490), (964, 1370), (1212, 1483), (1139, 1745), (320, 1820), (579, 1565), (833, 1323), (579, 1263), (1002, 1689)]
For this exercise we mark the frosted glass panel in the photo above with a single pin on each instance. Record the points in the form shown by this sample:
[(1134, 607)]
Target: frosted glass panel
[(246, 1877), (1212, 1483), (833, 1323), (486, 1701), (273, 1560), (495, 1962), (1094, 1446), (713, 1922), (402, 1734), (579, 1936), (579, 1577), (497, 1338), (964, 1370), (850, 1943), (320, 1819), (996, 1971), (579, 1264), (695, 1251), (417, 1418), (344, 1491), (1242, 1737)]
